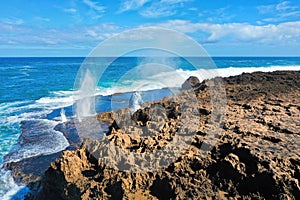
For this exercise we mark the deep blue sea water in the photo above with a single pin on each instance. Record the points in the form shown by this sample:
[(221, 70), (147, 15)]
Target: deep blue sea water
[(37, 88)]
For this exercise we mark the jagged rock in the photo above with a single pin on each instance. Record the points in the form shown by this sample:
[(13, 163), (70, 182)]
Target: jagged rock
[(106, 117), (191, 82), (194, 83), (253, 155)]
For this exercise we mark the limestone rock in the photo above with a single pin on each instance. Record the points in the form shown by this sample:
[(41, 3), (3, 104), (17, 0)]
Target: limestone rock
[(253, 155)]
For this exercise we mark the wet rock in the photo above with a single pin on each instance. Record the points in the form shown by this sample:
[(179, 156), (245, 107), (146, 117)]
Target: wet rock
[(31, 170), (70, 132)]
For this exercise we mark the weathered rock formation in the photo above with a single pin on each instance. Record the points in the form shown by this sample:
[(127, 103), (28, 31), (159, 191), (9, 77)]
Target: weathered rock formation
[(254, 154)]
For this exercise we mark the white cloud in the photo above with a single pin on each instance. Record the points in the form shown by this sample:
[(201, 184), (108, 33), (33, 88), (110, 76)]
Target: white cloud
[(280, 7), (94, 5), (174, 1), (70, 10), (13, 21), (161, 8), (284, 6), (279, 12), (132, 5), (193, 9), (44, 19), (239, 32), (264, 9), (102, 31), (70, 37), (217, 15), (92, 33), (158, 11), (11, 42), (235, 33)]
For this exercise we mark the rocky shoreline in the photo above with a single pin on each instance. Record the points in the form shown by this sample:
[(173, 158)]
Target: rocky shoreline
[(253, 152)]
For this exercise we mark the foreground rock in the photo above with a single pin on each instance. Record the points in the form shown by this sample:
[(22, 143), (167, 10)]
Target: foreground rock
[(255, 154)]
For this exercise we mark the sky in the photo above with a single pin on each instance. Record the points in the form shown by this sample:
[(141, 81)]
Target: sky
[(222, 27)]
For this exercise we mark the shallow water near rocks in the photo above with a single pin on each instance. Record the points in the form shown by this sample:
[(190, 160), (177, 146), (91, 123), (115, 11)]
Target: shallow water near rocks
[(34, 90)]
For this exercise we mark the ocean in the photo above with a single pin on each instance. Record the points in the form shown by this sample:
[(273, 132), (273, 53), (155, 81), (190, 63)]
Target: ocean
[(35, 90)]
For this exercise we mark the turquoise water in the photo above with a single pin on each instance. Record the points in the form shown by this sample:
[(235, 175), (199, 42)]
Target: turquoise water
[(36, 88)]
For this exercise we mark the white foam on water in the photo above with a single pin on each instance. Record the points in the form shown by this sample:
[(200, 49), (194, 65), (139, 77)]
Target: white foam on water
[(24, 67), (58, 99), (233, 71), (165, 79), (9, 189), (55, 102), (62, 99), (63, 93), (54, 142), (15, 112), (7, 106), (41, 139), (135, 86), (14, 119), (176, 78), (230, 71)]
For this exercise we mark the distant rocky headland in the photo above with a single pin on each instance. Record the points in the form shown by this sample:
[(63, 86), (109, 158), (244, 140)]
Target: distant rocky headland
[(253, 154)]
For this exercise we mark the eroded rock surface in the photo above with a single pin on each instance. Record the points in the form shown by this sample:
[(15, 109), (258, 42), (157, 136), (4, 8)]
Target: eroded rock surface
[(255, 154)]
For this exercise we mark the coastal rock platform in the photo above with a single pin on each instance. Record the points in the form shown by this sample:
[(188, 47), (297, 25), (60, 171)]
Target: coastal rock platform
[(254, 154)]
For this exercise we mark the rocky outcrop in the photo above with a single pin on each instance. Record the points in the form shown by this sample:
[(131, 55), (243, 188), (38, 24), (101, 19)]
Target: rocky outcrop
[(193, 82), (254, 154)]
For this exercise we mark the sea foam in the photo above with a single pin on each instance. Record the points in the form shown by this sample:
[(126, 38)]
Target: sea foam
[(166, 79), (175, 78), (37, 138), (9, 189), (31, 110)]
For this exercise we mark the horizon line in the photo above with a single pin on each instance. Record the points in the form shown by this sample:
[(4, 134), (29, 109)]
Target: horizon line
[(214, 56)]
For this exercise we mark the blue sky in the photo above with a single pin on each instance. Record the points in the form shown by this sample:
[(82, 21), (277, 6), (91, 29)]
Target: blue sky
[(222, 27)]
